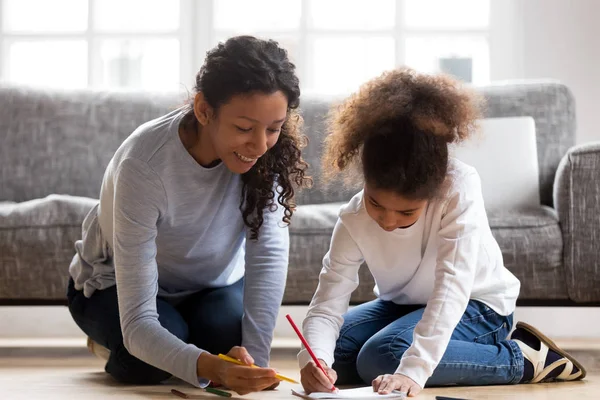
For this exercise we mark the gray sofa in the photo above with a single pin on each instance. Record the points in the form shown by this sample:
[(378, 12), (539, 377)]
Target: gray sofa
[(54, 146)]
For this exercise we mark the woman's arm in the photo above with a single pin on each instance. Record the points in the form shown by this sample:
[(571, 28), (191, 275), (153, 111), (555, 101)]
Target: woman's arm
[(139, 200), (264, 284)]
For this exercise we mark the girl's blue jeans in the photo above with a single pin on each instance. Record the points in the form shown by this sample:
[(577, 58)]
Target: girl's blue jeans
[(376, 334)]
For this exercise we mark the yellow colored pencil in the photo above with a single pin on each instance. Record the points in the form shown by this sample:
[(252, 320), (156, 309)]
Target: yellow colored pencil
[(233, 360)]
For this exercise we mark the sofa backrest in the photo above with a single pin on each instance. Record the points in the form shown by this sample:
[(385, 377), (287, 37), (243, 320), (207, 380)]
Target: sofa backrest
[(60, 142), (550, 103)]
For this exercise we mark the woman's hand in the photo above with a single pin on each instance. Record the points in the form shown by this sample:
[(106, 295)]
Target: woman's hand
[(314, 380), (239, 378), (385, 384)]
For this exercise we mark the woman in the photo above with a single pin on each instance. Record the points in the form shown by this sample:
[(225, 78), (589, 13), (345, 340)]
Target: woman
[(186, 254)]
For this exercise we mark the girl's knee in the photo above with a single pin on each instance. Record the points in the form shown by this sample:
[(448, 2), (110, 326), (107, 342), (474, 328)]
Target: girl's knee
[(369, 361), (345, 349), (349, 342), (379, 357)]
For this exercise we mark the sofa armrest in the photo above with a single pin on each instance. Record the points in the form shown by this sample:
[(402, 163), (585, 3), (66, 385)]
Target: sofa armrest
[(577, 201)]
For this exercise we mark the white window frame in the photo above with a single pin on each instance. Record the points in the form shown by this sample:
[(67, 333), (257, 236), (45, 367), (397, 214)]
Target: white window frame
[(399, 33), (196, 35), (184, 33)]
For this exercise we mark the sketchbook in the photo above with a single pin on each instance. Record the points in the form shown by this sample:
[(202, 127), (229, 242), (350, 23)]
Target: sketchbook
[(358, 393)]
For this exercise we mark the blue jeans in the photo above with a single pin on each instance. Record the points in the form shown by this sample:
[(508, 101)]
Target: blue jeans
[(375, 336), (210, 319)]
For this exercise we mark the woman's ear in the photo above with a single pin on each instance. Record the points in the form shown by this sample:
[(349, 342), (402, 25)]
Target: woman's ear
[(202, 110)]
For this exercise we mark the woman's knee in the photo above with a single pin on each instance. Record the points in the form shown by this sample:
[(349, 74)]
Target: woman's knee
[(177, 327), (141, 376), (222, 338), (217, 334), (128, 369), (215, 318), (170, 319)]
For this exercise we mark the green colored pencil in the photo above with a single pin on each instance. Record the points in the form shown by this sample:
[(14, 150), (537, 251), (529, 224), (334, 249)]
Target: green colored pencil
[(217, 392)]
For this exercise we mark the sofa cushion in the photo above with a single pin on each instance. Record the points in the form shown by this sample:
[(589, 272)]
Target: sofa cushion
[(37, 240), (310, 236), (511, 182), (42, 213), (530, 240)]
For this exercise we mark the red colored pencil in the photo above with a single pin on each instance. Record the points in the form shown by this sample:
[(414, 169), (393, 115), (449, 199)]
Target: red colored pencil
[(305, 343)]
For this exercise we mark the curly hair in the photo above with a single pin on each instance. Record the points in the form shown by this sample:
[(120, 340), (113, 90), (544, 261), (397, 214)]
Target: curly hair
[(244, 65), (394, 132)]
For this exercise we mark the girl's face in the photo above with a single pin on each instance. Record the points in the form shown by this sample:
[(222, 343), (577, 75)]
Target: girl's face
[(242, 130), (390, 210)]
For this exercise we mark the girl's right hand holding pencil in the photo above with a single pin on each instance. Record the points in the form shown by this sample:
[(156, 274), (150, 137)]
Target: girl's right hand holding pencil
[(241, 379), (314, 380)]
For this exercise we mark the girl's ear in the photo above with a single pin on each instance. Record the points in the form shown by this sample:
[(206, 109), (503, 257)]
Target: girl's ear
[(202, 110)]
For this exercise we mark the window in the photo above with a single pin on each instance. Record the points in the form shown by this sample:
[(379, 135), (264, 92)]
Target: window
[(160, 44), (340, 43), (453, 39), (97, 43)]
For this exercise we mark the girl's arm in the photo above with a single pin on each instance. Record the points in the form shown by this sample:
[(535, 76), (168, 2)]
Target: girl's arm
[(337, 280), (458, 246), (139, 200)]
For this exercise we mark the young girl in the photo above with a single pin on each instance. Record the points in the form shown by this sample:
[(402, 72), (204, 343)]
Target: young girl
[(186, 255), (445, 300)]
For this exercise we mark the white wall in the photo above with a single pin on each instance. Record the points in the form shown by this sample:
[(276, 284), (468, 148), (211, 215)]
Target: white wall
[(553, 39), (53, 326)]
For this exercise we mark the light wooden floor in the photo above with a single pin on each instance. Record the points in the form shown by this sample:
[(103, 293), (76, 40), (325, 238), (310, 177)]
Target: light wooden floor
[(64, 374)]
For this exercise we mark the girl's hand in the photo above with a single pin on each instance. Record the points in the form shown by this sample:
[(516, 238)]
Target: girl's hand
[(239, 378), (385, 384), (314, 380)]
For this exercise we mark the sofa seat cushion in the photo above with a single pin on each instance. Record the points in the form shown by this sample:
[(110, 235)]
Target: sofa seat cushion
[(530, 241), (310, 236), (37, 244), (37, 240)]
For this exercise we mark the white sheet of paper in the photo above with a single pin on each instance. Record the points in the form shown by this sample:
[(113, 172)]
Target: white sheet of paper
[(358, 393)]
